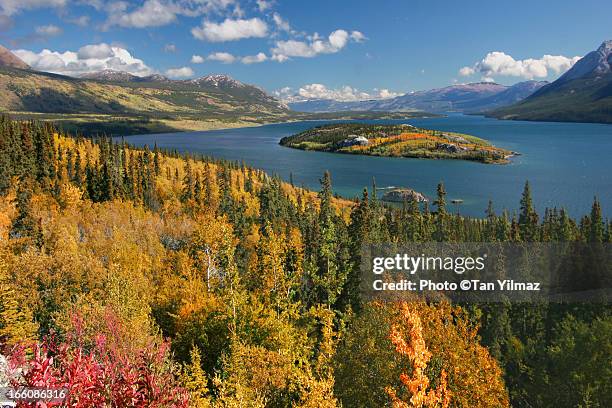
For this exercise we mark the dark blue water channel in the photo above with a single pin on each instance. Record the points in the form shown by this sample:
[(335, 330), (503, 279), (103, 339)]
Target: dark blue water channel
[(567, 164)]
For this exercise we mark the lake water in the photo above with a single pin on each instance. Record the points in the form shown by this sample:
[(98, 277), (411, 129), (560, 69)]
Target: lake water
[(567, 164)]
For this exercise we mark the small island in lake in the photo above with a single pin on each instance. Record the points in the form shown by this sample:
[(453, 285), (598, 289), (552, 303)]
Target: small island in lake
[(397, 141)]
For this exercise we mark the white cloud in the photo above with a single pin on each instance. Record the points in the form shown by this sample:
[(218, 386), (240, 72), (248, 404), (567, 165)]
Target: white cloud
[(10, 7), (336, 41), (230, 30), (358, 36), (387, 94), (197, 59), (183, 72), (281, 23), (224, 57), (264, 5), (254, 59), (152, 13), (156, 13), (467, 71), (48, 30), (343, 94), (169, 48), (498, 63), (90, 58), (95, 51)]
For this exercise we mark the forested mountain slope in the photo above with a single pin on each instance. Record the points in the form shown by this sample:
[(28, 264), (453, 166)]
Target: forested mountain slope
[(582, 94)]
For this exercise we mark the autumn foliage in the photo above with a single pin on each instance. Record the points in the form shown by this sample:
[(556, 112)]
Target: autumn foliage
[(98, 374), (138, 277), (417, 383)]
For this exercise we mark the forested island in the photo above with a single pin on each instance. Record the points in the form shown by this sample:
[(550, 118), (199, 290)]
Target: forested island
[(148, 278), (396, 141)]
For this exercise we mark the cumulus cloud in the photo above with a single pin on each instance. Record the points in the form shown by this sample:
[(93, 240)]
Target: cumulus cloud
[(197, 59), (48, 30), (156, 13), (176, 73), (337, 40), (343, 94), (169, 48), (10, 7), (254, 59), (95, 51), (224, 57), (90, 58), (152, 13), (230, 30), (501, 64)]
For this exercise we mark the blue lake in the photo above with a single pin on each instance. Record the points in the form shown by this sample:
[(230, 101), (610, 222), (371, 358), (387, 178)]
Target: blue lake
[(567, 164)]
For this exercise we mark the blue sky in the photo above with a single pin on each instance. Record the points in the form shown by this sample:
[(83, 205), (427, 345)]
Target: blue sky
[(343, 49)]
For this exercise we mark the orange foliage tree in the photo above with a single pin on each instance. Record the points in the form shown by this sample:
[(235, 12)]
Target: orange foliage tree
[(415, 349)]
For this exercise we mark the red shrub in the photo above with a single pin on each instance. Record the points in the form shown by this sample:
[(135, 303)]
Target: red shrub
[(100, 374)]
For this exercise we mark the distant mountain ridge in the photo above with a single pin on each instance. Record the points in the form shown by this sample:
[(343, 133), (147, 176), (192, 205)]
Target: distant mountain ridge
[(219, 81), (213, 83), (582, 94), (469, 98)]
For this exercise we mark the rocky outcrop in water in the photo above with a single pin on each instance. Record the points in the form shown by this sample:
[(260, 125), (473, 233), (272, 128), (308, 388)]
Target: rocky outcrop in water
[(399, 195)]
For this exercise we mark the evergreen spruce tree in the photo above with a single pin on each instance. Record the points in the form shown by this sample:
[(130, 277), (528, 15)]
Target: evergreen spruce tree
[(69, 165), (24, 224), (597, 224), (359, 234), (188, 182), (528, 218), (566, 229), (77, 173), (156, 163), (491, 223), (441, 233)]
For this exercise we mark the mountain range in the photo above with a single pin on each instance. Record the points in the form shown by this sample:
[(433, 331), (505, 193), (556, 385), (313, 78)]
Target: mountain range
[(117, 102), (469, 98), (582, 94), (121, 102)]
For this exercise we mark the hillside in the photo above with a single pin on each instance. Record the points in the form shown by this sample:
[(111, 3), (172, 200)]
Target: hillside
[(123, 103), (470, 98), (190, 277), (10, 60), (115, 102), (396, 141), (582, 94)]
